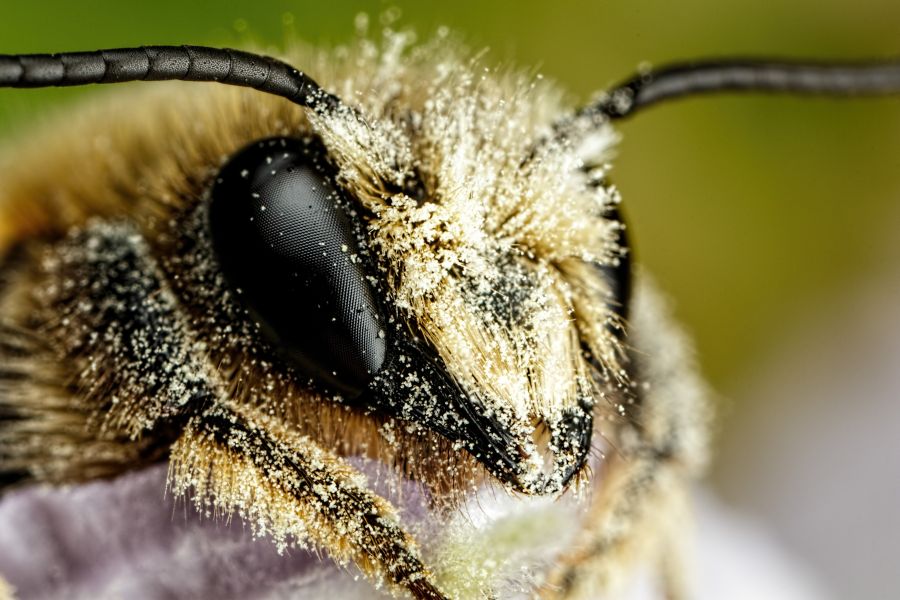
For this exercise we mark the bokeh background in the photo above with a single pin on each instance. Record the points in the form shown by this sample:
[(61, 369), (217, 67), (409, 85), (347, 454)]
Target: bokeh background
[(772, 223)]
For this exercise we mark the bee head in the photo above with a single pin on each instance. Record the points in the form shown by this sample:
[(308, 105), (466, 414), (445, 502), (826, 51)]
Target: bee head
[(423, 243), (423, 257)]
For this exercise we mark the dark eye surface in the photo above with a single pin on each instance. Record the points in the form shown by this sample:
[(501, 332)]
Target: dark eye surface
[(619, 276), (287, 247)]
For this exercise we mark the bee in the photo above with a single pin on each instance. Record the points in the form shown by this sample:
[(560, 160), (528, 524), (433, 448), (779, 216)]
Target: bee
[(390, 318)]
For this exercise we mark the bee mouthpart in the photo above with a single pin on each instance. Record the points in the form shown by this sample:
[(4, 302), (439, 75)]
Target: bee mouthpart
[(558, 450), (540, 457)]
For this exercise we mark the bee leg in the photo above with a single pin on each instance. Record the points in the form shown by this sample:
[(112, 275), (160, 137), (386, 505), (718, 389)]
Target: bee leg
[(294, 491), (621, 525)]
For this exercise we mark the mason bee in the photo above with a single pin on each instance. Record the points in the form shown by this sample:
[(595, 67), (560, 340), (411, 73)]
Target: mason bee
[(389, 319)]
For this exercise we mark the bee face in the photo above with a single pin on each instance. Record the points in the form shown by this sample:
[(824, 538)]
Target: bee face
[(421, 280), (479, 316), (432, 276), (489, 289)]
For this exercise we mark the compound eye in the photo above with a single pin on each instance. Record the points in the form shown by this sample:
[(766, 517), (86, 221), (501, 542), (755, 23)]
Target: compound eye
[(287, 247), (619, 276)]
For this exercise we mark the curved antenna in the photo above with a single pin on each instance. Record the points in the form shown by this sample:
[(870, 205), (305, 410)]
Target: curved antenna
[(744, 75), (160, 63)]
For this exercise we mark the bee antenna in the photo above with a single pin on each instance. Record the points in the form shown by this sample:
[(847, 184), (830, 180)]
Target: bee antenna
[(681, 80), (163, 63)]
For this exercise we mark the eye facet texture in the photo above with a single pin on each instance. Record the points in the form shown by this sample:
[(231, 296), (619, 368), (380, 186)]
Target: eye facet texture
[(288, 249)]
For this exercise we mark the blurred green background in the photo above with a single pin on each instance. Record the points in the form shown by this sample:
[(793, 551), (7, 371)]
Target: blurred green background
[(748, 211)]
